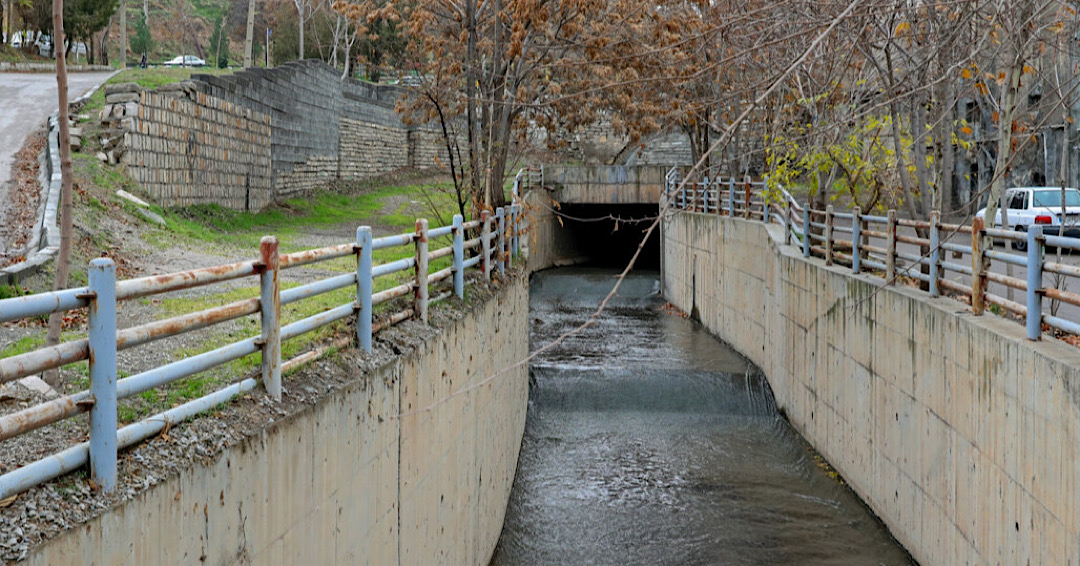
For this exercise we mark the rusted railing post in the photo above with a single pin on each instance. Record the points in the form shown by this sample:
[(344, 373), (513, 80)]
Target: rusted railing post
[(746, 197), (500, 240), (828, 235), (485, 243), (890, 248), (806, 231), (856, 235), (935, 253), (420, 292), (786, 213), (102, 342), (364, 260), (731, 197), (270, 309), (515, 228), (978, 267), (459, 257), (1034, 282)]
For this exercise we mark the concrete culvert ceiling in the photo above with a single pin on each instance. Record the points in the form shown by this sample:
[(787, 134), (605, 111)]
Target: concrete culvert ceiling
[(608, 235)]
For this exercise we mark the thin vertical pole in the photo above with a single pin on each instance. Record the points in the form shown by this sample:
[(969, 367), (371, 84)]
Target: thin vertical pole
[(363, 287), (420, 293), (1034, 282), (746, 196), (485, 243), (786, 214), (935, 253), (270, 308), (515, 244), (731, 197), (890, 248), (500, 240), (102, 342), (978, 268), (806, 231), (459, 257), (856, 235), (828, 235)]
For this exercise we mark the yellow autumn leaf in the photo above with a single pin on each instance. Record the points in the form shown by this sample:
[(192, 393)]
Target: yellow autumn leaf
[(1028, 69), (902, 27), (965, 73), (966, 130)]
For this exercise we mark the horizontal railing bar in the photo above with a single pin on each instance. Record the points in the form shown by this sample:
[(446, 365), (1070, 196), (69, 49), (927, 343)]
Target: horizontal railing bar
[(1006, 257), (913, 223), (392, 293), (43, 414), (959, 228), (471, 225), (956, 267), (441, 252), (875, 234), (874, 219), (1061, 295), (1006, 304), (1006, 280), (43, 359), (440, 232), (469, 244), (915, 258), (1061, 269), (394, 319), (843, 215), (949, 246), (392, 241), (875, 264), (318, 287), (912, 240), (182, 368), (297, 259), (139, 335), (393, 267), (440, 275), (842, 229), (818, 225), (955, 286), (475, 260), (1065, 243), (155, 284), (1061, 324), (304, 325), (42, 304), (441, 296), (1005, 234), (874, 249)]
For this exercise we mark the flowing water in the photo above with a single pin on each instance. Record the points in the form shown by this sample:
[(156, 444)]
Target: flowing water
[(649, 442)]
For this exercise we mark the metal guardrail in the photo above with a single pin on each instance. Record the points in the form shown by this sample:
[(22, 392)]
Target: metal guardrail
[(846, 238), (498, 243)]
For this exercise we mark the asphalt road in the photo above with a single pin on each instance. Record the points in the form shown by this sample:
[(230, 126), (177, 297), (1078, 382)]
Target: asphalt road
[(26, 101)]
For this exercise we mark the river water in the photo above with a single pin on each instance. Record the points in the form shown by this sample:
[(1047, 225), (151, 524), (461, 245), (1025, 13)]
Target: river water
[(649, 442)]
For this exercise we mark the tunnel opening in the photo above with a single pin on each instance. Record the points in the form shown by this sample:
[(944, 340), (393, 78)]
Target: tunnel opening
[(607, 235)]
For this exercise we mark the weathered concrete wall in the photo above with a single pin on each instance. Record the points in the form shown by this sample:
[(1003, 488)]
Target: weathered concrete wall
[(958, 432), (550, 244), (368, 475), (606, 184)]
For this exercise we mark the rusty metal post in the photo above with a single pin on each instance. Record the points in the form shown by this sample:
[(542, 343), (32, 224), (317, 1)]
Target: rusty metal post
[(485, 243), (102, 341), (731, 197), (828, 235), (935, 253), (746, 213), (978, 267), (270, 308), (786, 210), (515, 224), (459, 257), (363, 286), (1034, 282), (890, 248), (856, 235), (806, 231), (500, 240), (420, 293)]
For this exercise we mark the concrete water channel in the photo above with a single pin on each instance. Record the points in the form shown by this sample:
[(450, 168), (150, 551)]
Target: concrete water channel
[(650, 442)]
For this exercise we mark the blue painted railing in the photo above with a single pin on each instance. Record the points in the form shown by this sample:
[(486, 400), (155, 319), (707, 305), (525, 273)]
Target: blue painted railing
[(864, 241), (497, 243)]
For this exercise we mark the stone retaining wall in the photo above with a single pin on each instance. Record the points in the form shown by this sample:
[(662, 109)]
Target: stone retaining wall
[(963, 436)]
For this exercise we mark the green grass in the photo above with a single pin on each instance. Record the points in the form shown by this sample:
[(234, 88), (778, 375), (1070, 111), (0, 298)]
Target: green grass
[(150, 78), (9, 54)]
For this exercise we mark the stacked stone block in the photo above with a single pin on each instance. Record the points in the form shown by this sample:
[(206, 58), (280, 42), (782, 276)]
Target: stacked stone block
[(368, 150), (199, 150)]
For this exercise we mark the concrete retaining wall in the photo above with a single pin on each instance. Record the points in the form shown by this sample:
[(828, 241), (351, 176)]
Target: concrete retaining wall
[(962, 435), (366, 476), (606, 184)]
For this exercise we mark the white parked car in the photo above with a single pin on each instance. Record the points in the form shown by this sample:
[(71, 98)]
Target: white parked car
[(1029, 206), (185, 61)]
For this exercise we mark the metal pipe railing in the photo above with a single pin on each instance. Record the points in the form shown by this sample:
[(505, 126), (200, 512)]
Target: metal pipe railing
[(499, 234)]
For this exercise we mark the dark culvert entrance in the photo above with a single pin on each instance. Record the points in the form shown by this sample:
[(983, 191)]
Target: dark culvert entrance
[(609, 234)]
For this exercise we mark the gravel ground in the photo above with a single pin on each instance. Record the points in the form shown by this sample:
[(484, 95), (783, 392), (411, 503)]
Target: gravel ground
[(41, 513)]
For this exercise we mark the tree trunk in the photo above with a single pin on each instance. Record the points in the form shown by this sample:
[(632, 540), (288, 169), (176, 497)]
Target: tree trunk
[(249, 37), (300, 10), (123, 36), (52, 338)]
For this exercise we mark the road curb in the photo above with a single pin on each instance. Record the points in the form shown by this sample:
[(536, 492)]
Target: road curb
[(44, 242), (6, 67)]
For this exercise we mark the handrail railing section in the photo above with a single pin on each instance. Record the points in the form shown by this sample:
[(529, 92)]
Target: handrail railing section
[(867, 241), (493, 249)]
